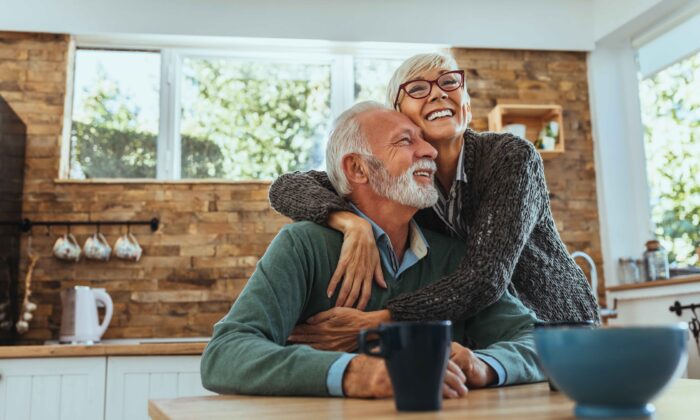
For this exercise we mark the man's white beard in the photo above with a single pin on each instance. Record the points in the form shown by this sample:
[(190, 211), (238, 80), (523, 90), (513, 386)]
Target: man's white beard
[(403, 188)]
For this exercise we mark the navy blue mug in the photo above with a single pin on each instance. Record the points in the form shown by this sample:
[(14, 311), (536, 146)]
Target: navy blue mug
[(416, 356)]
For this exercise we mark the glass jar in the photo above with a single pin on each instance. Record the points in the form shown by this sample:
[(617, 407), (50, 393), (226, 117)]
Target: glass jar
[(629, 270), (656, 261)]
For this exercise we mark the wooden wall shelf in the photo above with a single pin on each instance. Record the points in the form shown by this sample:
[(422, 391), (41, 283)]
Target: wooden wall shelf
[(534, 117)]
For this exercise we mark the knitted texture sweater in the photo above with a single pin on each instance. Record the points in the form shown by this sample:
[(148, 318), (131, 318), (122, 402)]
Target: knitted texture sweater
[(511, 239)]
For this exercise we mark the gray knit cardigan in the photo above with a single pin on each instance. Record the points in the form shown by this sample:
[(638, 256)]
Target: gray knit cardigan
[(511, 237)]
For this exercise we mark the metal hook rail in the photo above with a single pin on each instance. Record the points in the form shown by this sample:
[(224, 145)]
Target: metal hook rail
[(678, 308), (26, 224)]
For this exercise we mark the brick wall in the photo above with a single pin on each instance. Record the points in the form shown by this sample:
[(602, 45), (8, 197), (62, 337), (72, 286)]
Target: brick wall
[(212, 233), (547, 77)]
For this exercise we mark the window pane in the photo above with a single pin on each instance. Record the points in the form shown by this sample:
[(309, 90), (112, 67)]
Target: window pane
[(670, 102), (115, 114), (371, 78), (244, 119)]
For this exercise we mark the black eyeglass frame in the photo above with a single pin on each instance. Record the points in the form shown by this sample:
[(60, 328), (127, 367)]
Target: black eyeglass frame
[(402, 86)]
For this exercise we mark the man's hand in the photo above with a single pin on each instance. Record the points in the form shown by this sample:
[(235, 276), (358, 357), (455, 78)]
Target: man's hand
[(367, 377), (336, 329), (479, 374)]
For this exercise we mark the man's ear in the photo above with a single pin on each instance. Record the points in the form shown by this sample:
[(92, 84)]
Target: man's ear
[(355, 169)]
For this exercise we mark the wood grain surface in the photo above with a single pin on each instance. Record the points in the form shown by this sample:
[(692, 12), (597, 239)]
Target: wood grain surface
[(65, 350), (533, 401)]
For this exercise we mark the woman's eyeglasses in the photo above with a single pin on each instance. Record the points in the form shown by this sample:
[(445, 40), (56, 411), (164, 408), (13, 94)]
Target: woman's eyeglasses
[(419, 88)]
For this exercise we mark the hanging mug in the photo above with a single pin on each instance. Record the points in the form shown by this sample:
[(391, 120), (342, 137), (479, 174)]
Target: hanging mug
[(97, 248), (67, 248), (127, 248)]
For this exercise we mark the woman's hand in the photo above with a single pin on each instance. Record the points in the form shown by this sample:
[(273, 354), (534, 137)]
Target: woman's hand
[(359, 261), (336, 329), (478, 373)]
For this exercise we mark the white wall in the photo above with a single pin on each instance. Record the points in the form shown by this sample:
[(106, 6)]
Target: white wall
[(621, 179), (532, 24), (621, 182), (680, 41), (610, 15)]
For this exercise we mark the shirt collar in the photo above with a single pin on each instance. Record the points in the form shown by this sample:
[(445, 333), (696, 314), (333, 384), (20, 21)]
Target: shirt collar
[(416, 241)]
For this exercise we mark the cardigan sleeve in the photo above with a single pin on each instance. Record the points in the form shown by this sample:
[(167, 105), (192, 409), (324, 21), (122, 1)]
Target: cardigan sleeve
[(306, 196), (509, 208)]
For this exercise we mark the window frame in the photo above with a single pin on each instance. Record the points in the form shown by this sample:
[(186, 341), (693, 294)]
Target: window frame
[(173, 50)]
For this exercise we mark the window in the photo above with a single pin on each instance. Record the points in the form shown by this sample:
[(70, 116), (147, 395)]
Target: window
[(115, 114), (670, 102), (195, 113), (372, 77)]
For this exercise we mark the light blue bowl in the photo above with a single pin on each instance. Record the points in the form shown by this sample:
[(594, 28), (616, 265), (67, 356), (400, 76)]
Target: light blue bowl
[(612, 372)]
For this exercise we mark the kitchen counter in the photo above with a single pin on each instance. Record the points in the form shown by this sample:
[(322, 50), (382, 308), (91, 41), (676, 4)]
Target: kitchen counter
[(692, 278), (117, 347)]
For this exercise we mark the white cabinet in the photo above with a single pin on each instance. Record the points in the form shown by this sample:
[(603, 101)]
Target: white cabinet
[(70, 388), (650, 306), (94, 388), (133, 380)]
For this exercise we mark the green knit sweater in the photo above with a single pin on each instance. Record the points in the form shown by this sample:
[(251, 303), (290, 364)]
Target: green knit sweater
[(249, 353)]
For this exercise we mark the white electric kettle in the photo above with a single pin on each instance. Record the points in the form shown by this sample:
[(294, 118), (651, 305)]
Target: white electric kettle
[(79, 323)]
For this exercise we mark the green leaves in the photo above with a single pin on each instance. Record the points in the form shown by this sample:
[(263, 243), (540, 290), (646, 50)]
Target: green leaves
[(670, 103), (265, 118)]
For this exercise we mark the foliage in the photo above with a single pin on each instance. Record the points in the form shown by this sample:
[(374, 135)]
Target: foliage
[(108, 142), (671, 114), (105, 152), (240, 120), (111, 153), (265, 118)]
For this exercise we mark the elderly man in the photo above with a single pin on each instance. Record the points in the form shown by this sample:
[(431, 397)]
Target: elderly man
[(378, 160)]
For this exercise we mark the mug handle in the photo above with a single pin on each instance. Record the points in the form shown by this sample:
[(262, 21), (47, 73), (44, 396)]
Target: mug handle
[(133, 240), (364, 346), (71, 238)]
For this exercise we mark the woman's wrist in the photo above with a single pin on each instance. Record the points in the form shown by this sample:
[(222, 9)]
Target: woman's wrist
[(345, 221), (378, 317)]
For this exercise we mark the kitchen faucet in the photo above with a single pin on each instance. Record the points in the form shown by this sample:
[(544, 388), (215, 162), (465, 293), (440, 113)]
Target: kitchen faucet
[(594, 272), (603, 313)]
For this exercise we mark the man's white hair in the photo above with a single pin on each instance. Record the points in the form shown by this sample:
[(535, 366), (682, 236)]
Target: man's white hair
[(345, 138), (414, 67)]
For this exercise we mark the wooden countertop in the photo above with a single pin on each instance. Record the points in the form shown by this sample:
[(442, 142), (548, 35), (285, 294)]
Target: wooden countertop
[(70, 350), (534, 401), (692, 278)]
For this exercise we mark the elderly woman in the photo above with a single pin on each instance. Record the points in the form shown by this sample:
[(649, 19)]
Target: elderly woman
[(492, 195)]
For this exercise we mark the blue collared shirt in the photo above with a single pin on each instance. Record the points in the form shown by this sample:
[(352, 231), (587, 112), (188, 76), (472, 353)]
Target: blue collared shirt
[(418, 248)]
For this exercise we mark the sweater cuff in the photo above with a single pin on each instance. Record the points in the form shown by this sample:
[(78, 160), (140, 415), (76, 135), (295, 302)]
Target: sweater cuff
[(496, 365), (334, 380)]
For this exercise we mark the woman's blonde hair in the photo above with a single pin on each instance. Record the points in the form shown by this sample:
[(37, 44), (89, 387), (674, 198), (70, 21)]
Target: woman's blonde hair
[(416, 66)]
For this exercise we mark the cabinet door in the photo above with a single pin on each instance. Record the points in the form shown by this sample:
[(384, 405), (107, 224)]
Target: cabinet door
[(132, 381), (52, 388)]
